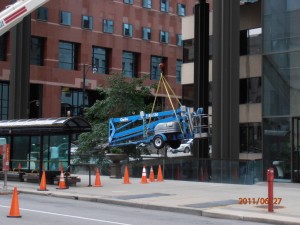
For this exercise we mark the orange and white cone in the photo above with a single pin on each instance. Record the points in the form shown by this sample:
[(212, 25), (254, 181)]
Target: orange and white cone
[(62, 182), (151, 176), (97, 179), (144, 176), (14, 208)]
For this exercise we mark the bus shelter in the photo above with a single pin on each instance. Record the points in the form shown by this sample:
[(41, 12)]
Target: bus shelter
[(44, 143)]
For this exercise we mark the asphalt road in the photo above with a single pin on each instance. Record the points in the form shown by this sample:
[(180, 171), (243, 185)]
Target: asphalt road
[(37, 210)]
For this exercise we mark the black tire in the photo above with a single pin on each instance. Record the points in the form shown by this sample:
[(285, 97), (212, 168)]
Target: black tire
[(186, 150), (174, 144), (158, 142)]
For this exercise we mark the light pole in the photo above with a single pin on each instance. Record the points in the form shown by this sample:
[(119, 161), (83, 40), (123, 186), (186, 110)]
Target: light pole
[(86, 68)]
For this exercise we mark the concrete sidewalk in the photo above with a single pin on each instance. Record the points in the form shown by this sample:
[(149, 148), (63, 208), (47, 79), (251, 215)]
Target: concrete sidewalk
[(203, 199)]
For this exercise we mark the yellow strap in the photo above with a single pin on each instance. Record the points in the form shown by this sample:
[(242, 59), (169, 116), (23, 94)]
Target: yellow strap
[(172, 90)]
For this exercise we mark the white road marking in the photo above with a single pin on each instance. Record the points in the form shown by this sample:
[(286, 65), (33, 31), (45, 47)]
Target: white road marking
[(64, 215)]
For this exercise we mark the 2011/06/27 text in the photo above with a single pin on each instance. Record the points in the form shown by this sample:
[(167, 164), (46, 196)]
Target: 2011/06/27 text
[(256, 201)]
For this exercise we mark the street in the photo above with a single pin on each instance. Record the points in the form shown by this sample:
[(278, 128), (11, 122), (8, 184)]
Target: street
[(37, 209)]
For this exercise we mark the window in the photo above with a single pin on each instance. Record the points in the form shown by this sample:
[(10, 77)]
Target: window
[(164, 37), (127, 30), (100, 59), (72, 100), (87, 22), (67, 55), (251, 41), (36, 51), (155, 70), (147, 4), (129, 64), (108, 26), (128, 1), (65, 18), (188, 51), (250, 137), (42, 14), (164, 5), (3, 46), (4, 93), (250, 90), (178, 70), (181, 9), (179, 40), (146, 33)]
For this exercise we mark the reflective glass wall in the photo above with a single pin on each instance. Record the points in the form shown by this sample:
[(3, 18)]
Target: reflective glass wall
[(281, 82)]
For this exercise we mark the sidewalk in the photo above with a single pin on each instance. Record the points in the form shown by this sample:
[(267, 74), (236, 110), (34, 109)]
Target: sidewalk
[(203, 199)]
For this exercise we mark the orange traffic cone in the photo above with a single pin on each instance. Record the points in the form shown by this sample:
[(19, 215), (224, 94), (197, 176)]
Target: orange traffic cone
[(97, 179), (43, 183), (14, 209), (144, 176), (151, 176), (62, 182), (159, 175), (126, 176)]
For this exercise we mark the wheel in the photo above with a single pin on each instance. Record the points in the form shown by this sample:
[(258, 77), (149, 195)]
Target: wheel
[(174, 144), (186, 149), (158, 142)]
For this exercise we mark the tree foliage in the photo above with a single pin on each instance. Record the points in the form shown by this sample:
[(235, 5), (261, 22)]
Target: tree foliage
[(122, 97)]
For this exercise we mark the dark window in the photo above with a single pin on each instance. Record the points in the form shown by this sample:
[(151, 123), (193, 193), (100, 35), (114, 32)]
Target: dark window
[(108, 26), (37, 51), (164, 37), (128, 1), (146, 33), (164, 5), (250, 41), (147, 4), (181, 9), (250, 90), (243, 91), (178, 70), (129, 64), (42, 14), (87, 22), (188, 95), (4, 96), (3, 46), (250, 137), (155, 70), (65, 18), (127, 30), (100, 59), (67, 55), (188, 51), (179, 40), (72, 99)]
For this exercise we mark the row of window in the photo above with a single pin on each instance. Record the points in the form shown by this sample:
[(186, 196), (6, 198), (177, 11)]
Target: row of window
[(108, 26), (68, 59)]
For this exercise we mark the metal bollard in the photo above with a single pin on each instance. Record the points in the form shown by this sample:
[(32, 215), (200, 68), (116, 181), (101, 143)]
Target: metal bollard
[(270, 178)]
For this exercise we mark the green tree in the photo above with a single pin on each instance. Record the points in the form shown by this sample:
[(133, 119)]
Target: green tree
[(122, 97)]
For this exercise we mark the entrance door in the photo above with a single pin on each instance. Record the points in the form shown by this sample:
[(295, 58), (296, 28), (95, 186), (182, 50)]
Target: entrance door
[(296, 149)]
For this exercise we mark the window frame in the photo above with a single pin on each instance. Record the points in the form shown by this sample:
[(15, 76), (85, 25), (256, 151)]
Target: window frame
[(130, 30), (42, 14), (74, 53), (89, 20), (108, 26), (69, 15), (146, 33)]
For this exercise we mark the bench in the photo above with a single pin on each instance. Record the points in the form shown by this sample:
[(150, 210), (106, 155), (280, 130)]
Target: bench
[(13, 176)]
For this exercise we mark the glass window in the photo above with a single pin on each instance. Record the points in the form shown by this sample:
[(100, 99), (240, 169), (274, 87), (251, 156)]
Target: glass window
[(65, 18), (87, 22), (188, 95), (128, 1), (250, 138), (127, 30), (100, 59), (179, 40), (250, 90), (251, 41), (129, 64), (178, 70), (73, 99), (36, 51), (147, 4), (164, 37), (164, 5), (67, 55), (4, 93), (188, 51), (155, 70), (181, 9), (42, 14), (58, 149), (146, 33), (20, 151), (243, 91), (108, 26), (3, 46)]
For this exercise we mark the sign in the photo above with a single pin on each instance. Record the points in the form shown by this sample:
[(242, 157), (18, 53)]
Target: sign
[(6, 157)]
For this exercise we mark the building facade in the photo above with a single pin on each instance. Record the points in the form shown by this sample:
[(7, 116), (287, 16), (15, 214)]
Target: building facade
[(90, 40)]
